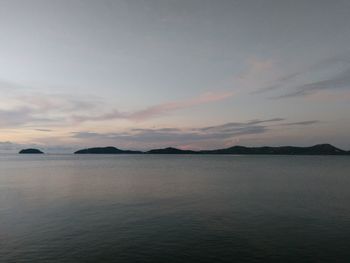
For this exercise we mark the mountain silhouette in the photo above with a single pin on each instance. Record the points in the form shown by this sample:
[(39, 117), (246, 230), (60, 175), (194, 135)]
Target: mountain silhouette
[(319, 149), (171, 150), (30, 151), (105, 150)]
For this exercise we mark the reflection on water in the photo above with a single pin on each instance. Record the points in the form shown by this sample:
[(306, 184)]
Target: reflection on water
[(144, 208)]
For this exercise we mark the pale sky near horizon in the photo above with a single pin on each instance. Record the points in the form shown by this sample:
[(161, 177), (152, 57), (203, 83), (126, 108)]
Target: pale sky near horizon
[(198, 74)]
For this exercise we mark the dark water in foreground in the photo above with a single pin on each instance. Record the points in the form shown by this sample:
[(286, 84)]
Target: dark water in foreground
[(174, 208)]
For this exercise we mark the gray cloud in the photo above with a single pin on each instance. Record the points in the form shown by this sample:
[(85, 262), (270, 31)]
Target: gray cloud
[(39, 109), (338, 81), (19, 116), (238, 125), (160, 130), (302, 123), (174, 136), (158, 109), (60, 109), (43, 130), (27, 116)]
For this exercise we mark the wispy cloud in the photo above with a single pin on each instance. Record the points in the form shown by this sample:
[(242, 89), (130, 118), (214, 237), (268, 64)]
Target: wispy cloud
[(338, 81), (19, 116), (37, 109), (160, 109), (258, 72), (44, 130), (300, 123), (336, 76), (40, 109), (235, 125)]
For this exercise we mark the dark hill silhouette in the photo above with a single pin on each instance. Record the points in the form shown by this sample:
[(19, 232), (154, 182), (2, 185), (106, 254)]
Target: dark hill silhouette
[(319, 149), (30, 151), (171, 150), (105, 150)]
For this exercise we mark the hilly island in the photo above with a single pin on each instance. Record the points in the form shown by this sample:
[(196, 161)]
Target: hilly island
[(319, 149), (30, 151)]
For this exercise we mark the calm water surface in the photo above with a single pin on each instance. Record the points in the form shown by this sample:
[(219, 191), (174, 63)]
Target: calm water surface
[(156, 208)]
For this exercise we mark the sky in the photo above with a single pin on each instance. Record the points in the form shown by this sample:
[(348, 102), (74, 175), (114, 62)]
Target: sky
[(192, 74)]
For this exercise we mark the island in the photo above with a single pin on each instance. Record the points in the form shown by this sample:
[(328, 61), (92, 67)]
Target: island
[(106, 150), (171, 150), (30, 151), (319, 149)]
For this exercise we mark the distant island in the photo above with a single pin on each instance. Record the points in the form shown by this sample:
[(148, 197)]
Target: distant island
[(106, 150), (30, 151), (319, 149), (171, 150)]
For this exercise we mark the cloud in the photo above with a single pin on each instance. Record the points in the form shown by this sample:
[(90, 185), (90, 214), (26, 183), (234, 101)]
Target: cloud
[(335, 71), (258, 72), (19, 116), (43, 130), (278, 83), (157, 110), (235, 125), (174, 136), (40, 109), (178, 105), (338, 81), (56, 102), (300, 123), (25, 107)]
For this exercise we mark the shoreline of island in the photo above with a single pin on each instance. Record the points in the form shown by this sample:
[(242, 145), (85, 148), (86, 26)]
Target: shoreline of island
[(319, 149)]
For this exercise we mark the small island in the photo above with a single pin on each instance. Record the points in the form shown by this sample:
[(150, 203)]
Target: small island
[(30, 151)]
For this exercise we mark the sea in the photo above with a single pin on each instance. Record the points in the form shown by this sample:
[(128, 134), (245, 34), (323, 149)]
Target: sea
[(174, 208)]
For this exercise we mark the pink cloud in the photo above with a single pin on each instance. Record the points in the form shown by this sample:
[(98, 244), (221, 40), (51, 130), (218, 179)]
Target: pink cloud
[(178, 105), (159, 109)]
